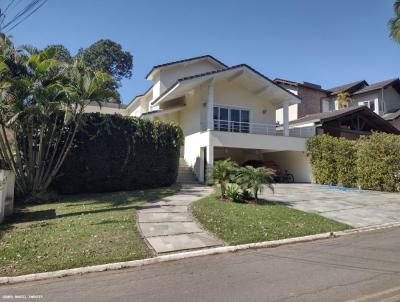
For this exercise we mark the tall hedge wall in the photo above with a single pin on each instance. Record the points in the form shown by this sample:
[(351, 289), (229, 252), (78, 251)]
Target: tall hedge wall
[(113, 153), (373, 162)]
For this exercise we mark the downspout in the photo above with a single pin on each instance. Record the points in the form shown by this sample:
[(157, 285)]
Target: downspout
[(383, 103)]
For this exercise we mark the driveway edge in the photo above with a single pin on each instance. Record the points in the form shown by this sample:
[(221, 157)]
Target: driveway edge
[(185, 255)]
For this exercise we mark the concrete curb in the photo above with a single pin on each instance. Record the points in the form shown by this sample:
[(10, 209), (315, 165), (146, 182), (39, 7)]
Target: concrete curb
[(185, 255)]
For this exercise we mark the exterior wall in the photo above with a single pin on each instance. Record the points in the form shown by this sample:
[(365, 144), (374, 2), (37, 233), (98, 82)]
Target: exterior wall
[(169, 75), (257, 141), (296, 163), (230, 94), (310, 101), (372, 97), (192, 151), (391, 99), (293, 114)]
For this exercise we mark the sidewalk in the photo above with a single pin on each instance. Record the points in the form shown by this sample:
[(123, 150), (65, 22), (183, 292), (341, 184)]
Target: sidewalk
[(167, 224)]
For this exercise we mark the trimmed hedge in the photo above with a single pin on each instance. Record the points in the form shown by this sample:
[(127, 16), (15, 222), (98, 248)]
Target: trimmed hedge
[(373, 162), (378, 162), (113, 153)]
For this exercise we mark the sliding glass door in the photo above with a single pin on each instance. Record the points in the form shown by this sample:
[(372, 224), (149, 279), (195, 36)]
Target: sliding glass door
[(231, 119)]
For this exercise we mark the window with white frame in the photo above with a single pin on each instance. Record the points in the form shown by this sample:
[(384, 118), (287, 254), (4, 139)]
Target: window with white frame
[(231, 119), (369, 104)]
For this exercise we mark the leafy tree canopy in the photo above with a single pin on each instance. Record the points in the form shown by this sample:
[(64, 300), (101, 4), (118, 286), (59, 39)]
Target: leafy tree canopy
[(394, 23), (62, 54)]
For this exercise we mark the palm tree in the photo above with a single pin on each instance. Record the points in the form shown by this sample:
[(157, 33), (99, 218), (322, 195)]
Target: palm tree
[(343, 99), (394, 23), (254, 179), (42, 101), (223, 172)]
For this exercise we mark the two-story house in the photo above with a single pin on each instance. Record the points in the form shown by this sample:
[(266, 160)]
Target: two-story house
[(224, 112), (383, 98)]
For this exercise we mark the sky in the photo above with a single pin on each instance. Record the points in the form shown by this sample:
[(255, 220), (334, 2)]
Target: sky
[(320, 41)]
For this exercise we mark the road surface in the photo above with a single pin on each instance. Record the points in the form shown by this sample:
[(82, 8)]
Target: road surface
[(362, 267)]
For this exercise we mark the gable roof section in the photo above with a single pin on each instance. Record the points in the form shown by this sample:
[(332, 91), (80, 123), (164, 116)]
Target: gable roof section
[(280, 81), (329, 116), (221, 71), (380, 85), (348, 87), (209, 57)]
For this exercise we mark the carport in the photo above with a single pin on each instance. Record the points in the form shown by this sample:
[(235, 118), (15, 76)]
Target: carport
[(295, 162)]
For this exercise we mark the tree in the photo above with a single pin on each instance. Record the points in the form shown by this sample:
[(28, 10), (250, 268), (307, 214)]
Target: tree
[(343, 99), (107, 56), (253, 179), (222, 173), (42, 101), (62, 53), (394, 23)]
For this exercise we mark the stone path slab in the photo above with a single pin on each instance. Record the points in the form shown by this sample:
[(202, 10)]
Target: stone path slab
[(357, 208), (167, 224)]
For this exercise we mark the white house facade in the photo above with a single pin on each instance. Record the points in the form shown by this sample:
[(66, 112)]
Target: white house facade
[(224, 112)]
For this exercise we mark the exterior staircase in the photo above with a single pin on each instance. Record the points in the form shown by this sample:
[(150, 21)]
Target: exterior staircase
[(185, 173)]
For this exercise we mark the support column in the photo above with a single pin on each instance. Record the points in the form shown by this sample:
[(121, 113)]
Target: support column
[(210, 105), (285, 119), (210, 163)]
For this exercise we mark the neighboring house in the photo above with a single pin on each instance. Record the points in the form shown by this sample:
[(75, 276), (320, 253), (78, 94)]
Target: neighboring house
[(350, 122), (382, 98), (310, 94), (224, 112)]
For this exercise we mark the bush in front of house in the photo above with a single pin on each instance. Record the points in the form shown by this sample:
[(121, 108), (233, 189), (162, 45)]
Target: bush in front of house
[(239, 184), (372, 162), (321, 151), (346, 165), (113, 153), (378, 162)]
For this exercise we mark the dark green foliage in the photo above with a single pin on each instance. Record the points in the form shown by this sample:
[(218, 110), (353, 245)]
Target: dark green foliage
[(373, 162), (113, 153), (346, 156), (378, 162), (321, 151)]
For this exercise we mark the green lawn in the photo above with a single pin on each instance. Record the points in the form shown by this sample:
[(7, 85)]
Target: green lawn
[(238, 223), (74, 231)]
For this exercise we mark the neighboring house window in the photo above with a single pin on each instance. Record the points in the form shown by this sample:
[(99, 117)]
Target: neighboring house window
[(231, 119), (369, 104)]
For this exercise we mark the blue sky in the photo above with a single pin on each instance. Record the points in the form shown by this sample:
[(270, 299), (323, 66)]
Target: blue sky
[(320, 41)]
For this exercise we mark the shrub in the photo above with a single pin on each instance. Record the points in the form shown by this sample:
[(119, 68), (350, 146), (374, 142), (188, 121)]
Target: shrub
[(372, 162), (321, 151), (346, 164), (234, 193), (252, 179), (113, 153), (378, 162), (223, 172)]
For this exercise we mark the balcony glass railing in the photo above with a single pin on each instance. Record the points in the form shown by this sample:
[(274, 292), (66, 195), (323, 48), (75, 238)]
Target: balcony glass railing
[(258, 128)]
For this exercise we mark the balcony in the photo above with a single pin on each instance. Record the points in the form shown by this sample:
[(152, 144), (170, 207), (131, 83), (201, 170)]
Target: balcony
[(258, 128)]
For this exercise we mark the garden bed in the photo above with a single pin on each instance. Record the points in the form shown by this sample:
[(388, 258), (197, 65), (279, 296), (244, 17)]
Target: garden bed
[(74, 231), (238, 223)]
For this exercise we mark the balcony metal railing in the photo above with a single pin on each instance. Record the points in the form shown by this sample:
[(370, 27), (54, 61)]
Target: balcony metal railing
[(258, 128)]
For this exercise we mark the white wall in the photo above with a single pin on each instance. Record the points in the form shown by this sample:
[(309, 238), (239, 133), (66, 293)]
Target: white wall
[(293, 113), (192, 151), (296, 162), (104, 109)]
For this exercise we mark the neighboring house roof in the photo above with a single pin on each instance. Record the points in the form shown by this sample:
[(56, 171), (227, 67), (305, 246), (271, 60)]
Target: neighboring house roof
[(320, 118), (347, 87), (301, 84), (380, 85), (392, 115), (209, 57), (217, 72)]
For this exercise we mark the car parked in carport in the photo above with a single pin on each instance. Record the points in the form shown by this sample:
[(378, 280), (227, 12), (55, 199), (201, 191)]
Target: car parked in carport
[(281, 175)]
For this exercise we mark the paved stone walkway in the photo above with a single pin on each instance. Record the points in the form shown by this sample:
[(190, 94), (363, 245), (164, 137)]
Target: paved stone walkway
[(167, 224), (357, 208)]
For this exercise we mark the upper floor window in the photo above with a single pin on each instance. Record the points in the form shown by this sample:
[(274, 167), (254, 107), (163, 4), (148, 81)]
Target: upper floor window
[(231, 119), (369, 104)]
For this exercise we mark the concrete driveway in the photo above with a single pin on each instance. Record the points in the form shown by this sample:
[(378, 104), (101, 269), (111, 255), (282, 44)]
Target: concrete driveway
[(357, 208)]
